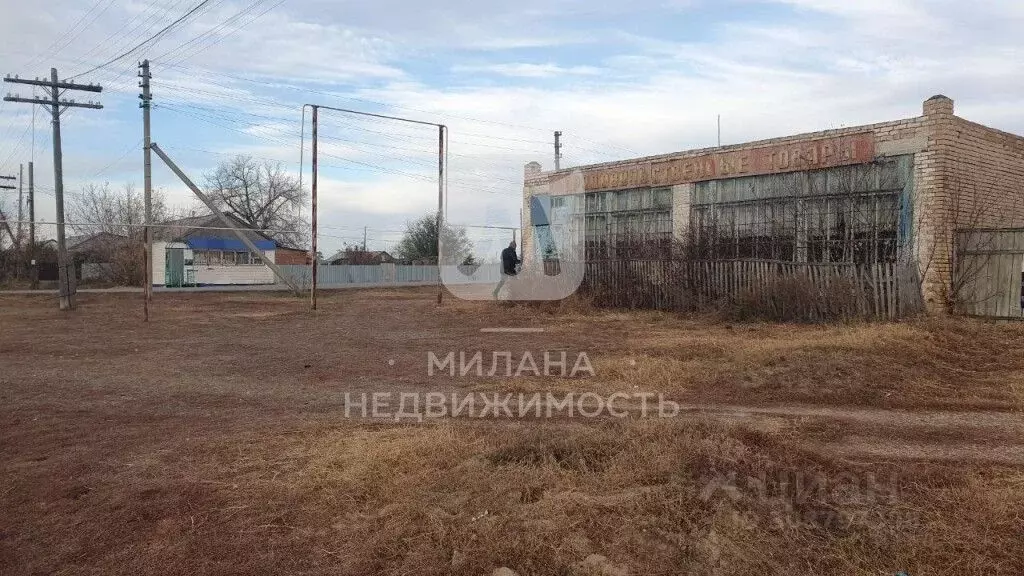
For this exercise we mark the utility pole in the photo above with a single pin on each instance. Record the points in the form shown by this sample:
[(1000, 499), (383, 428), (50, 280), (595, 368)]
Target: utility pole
[(316, 260), (719, 129), (21, 205), (558, 149), (33, 271), (21, 218), (147, 167), (364, 238), (56, 106), (440, 210)]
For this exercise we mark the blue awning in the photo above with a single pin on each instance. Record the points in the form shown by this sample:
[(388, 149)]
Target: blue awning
[(229, 244)]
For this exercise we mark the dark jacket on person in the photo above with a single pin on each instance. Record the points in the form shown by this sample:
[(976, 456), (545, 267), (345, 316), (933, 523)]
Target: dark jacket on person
[(509, 259)]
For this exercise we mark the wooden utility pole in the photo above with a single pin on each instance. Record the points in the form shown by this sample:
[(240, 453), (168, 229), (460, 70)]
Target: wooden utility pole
[(55, 106), (147, 167)]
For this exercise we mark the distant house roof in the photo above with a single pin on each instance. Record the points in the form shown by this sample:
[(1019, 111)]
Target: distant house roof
[(342, 255), (95, 243), (207, 232), (339, 255)]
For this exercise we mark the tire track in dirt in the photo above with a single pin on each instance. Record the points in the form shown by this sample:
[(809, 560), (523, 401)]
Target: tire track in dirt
[(993, 437)]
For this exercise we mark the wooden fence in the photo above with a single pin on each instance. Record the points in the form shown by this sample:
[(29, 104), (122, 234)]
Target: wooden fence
[(811, 291)]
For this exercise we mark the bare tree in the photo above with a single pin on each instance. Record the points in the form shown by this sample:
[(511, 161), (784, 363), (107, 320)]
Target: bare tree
[(112, 222), (122, 212), (263, 195), (5, 229)]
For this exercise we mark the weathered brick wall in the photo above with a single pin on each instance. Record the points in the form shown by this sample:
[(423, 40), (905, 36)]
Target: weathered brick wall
[(969, 176), (289, 256), (987, 170)]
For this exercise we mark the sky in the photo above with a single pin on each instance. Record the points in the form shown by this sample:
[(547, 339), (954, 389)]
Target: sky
[(619, 78)]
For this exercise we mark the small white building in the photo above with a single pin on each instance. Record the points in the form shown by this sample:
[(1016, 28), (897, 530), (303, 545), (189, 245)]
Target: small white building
[(199, 251)]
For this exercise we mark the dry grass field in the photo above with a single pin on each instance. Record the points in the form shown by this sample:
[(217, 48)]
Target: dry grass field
[(214, 440)]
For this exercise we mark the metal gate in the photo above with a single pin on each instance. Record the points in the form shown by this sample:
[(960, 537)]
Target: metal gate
[(174, 269), (989, 271)]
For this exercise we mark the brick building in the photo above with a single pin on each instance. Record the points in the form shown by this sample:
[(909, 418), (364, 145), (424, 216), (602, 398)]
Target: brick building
[(291, 255), (886, 192)]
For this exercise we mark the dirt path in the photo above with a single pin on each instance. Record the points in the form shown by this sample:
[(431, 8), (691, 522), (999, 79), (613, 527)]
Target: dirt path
[(995, 437)]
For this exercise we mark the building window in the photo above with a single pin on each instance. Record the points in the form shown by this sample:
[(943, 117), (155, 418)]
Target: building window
[(636, 223), (225, 258), (849, 214), (208, 257)]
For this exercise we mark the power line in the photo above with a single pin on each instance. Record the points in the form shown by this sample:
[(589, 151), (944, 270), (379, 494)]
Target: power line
[(42, 56), (127, 150), (86, 26), (209, 33), (136, 27), (280, 142), (162, 31), (220, 39), (358, 99)]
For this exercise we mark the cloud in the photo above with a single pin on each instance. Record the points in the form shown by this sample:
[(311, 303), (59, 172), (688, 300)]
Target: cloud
[(528, 70)]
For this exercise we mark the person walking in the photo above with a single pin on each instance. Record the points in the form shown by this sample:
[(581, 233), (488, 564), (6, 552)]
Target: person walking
[(509, 261)]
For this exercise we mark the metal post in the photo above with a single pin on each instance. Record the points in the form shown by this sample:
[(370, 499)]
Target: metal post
[(21, 218), (442, 135), (316, 260), (21, 202), (558, 150), (440, 208), (33, 271), (67, 295), (148, 183)]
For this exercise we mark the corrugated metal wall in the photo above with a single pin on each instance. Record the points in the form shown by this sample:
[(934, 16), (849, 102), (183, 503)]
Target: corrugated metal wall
[(391, 274)]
